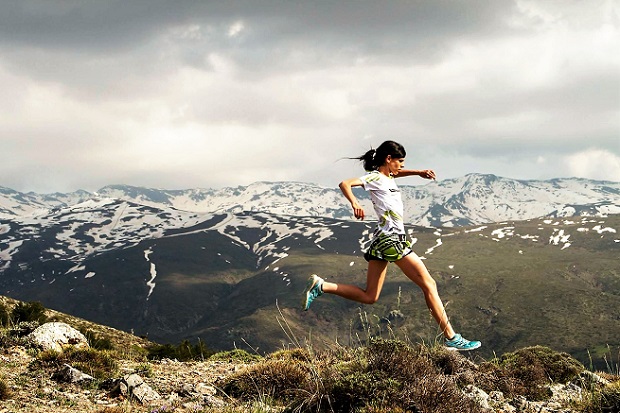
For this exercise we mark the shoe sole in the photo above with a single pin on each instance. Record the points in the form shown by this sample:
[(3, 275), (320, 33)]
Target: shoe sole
[(312, 281), (462, 349)]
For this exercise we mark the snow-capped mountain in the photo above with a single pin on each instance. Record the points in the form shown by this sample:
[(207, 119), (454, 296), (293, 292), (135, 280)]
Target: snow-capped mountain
[(14, 203), (470, 200)]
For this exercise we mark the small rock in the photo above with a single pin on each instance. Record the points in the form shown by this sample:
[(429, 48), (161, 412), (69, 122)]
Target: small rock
[(205, 390), (477, 395), (138, 389), (496, 396), (68, 374), (131, 385), (507, 408), (213, 401)]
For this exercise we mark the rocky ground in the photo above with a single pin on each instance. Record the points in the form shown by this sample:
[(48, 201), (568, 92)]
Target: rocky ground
[(54, 368), (191, 387), (182, 386)]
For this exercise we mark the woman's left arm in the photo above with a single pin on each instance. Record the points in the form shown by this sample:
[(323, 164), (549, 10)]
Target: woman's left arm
[(423, 173)]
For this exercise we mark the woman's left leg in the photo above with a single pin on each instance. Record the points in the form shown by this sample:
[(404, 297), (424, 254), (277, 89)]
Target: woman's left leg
[(413, 267), (375, 277)]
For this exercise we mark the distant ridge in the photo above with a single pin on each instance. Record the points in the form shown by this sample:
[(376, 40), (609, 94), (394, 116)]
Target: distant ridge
[(470, 200)]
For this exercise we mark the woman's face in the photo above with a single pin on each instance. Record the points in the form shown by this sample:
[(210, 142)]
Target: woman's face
[(394, 164)]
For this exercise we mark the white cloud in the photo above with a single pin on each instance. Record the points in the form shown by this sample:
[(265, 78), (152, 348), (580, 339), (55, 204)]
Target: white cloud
[(236, 28), (595, 164)]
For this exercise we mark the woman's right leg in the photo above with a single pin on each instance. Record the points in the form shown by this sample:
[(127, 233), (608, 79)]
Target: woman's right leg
[(374, 283), (413, 267)]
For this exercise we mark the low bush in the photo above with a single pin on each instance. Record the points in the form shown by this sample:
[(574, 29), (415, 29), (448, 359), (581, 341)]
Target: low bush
[(184, 351), (5, 392), (282, 380), (528, 372), (5, 315), (298, 354), (32, 311), (236, 355), (605, 401), (97, 341), (98, 363), (386, 376)]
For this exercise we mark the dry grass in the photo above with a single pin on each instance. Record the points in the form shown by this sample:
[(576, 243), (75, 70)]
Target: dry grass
[(386, 375)]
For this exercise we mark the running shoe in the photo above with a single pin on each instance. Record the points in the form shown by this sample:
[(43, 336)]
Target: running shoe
[(314, 288), (458, 343)]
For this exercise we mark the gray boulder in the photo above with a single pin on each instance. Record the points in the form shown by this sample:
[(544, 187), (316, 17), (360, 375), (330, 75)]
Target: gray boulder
[(58, 336)]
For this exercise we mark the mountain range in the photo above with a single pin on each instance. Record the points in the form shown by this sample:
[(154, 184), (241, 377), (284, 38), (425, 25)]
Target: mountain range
[(469, 200), (517, 262)]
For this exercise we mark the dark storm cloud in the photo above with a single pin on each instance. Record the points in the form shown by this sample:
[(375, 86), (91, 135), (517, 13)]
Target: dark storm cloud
[(148, 91), (364, 27)]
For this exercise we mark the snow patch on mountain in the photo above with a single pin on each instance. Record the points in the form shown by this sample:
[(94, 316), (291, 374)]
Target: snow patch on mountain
[(6, 253), (152, 271)]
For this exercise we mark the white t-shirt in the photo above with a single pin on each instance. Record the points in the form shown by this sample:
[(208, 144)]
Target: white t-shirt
[(386, 200)]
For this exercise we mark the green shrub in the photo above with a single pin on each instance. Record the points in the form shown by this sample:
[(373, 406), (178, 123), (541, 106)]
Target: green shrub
[(5, 315), (184, 351), (32, 311), (279, 379), (145, 369), (528, 372), (557, 367), (7, 339), (235, 355), (98, 363), (607, 400), (97, 342), (23, 328), (299, 354), (359, 389), (5, 392), (387, 376)]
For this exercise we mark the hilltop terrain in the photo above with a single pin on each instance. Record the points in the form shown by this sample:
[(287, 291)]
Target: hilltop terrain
[(385, 375)]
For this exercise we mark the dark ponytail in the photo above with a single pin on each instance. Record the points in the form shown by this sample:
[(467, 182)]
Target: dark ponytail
[(374, 158)]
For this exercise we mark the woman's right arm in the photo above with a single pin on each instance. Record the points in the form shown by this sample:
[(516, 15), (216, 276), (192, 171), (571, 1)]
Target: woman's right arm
[(345, 187)]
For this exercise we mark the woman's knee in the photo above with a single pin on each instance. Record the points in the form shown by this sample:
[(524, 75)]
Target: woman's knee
[(370, 299), (428, 284)]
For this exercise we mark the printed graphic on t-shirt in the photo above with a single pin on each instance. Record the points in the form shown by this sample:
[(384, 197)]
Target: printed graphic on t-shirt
[(387, 201)]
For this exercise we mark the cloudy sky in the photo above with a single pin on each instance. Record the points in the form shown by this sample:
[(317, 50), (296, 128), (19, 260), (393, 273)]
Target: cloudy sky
[(183, 94)]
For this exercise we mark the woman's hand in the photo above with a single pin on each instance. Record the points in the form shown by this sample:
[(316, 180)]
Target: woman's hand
[(427, 173), (358, 211), (345, 187)]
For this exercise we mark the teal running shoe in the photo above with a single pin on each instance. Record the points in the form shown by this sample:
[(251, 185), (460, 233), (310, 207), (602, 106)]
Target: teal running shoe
[(458, 343), (314, 288)]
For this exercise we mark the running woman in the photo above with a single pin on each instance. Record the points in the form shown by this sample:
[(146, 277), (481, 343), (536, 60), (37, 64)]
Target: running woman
[(390, 243)]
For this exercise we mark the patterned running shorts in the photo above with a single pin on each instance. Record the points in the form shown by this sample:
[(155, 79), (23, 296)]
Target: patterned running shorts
[(389, 248)]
